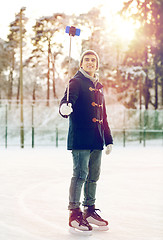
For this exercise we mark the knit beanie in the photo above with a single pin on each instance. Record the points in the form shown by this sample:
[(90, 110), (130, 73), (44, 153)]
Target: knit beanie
[(89, 52)]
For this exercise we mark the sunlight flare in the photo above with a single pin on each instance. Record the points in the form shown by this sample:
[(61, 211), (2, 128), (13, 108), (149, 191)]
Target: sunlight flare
[(124, 29)]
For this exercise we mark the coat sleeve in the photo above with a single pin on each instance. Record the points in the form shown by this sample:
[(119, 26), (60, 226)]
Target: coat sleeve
[(73, 94), (107, 131)]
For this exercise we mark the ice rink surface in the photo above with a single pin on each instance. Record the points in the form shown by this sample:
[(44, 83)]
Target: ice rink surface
[(34, 187)]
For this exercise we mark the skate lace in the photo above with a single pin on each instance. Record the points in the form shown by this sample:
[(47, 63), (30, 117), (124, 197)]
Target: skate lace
[(97, 209), (82, 221)]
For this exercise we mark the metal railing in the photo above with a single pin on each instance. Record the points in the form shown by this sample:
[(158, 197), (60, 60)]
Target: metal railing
[(43, 126), (37, 136), (142, 135)]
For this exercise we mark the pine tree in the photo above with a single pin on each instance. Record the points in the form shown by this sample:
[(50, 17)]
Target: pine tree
[(146, 49), (45, 30), (4, 65), (13, 45)]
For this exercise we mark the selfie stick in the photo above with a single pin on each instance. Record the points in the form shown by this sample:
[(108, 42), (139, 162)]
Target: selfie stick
[(72, 31)]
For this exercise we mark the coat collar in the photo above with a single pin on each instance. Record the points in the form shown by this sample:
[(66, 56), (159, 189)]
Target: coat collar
[(94, 80)]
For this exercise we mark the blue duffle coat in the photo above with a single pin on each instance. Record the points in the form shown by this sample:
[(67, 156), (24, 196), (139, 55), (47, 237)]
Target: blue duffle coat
[(88, 125)]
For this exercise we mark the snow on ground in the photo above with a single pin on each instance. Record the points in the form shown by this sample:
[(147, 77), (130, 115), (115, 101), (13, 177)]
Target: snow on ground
[(34, 194)]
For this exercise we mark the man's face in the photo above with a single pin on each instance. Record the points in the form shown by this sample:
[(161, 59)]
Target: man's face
[(89, 64)]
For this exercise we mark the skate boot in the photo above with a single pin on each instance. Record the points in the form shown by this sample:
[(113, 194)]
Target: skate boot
[(92, 217), (77, 223)]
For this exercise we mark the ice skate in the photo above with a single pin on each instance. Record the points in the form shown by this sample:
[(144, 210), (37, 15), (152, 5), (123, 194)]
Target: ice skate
[(78, 225), (94, 219)]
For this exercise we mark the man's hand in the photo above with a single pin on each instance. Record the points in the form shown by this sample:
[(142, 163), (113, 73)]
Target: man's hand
[(66, 109), (108, 149)]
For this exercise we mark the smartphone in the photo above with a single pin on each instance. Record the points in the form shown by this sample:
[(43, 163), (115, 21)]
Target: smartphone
[(73, 31)]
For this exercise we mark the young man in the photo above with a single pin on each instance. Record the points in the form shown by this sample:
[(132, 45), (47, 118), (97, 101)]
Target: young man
[(88, 132)]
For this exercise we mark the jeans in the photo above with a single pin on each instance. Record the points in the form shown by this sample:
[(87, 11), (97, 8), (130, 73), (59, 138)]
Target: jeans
[(86, 171)]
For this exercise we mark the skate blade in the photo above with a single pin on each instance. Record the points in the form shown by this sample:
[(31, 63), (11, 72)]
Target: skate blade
[(78, 232), (100, 228)]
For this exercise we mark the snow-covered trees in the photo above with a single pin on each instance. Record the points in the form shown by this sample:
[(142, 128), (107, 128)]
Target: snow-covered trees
[(44, 41), (4, 64), (146, 50), (13, 45), (133, 77)]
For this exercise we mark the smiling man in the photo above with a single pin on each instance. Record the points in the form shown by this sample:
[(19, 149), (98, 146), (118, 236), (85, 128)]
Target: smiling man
[(89, 64), (88, 133)]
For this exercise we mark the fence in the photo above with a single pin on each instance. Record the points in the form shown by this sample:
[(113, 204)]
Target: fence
[(43, 126), (57, 137)]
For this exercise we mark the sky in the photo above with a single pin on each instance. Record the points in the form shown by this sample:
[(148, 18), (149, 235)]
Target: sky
[(37, 8)]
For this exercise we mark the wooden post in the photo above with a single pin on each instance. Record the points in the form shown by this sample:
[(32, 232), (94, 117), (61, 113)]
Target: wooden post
[(21, 86)]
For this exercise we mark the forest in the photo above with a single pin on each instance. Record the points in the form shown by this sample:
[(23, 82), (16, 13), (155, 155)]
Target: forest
[(34, 59)]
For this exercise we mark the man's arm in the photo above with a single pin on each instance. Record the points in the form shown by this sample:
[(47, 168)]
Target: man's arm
[(65, 108)]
